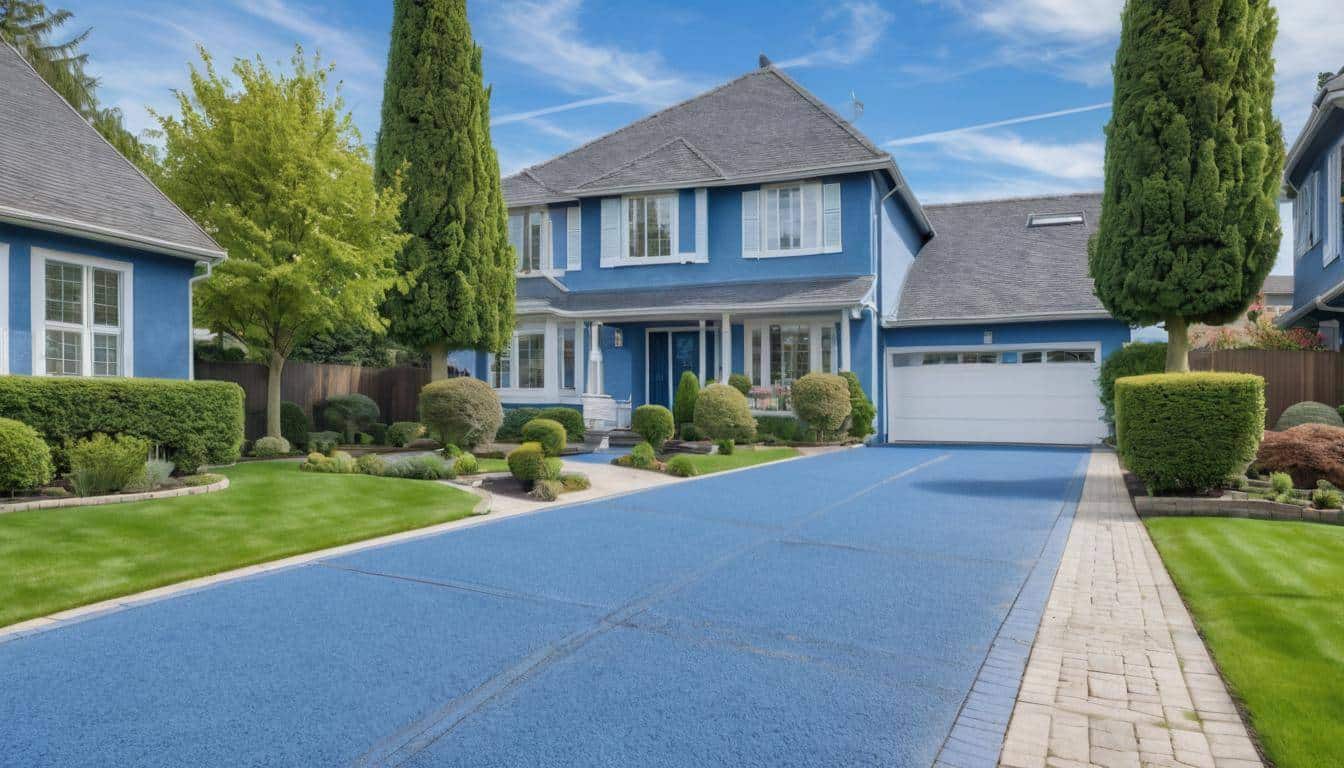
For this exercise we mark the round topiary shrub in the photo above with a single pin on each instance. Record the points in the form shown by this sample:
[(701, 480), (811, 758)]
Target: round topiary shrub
[(549, 434), (466, 464), (350, 414), (294, 423), (462, 411), (654, 424), (527, 463), (682, 466), (822, 400), (25, 461), (722, 413), (511, 429), (740, 382), (862, 412), (569, 418), (403, 432), (1308, 412), (1135, 359), (1188, 431), (269, 447)]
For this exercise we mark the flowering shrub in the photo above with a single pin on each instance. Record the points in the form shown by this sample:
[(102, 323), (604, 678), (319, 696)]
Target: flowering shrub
[(1266, 335)]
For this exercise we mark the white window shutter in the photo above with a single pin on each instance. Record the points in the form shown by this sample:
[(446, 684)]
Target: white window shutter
[(574, 239), (611, 230), (830, 216), (751, 222), (547, 241), (1332, 203), (811, 210), (702, 224)]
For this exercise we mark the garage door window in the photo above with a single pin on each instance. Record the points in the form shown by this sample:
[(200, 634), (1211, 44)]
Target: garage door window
[(1071, 356), (1031, 357)]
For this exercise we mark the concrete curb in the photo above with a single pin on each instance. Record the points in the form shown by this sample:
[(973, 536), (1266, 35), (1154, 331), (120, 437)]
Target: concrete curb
[(116, 498)]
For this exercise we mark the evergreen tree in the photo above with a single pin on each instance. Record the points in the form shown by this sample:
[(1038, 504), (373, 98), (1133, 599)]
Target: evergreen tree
[(458, 265), (1189, 220)]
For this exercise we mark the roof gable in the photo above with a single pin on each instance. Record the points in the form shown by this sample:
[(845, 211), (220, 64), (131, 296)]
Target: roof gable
[(676, 162), (57, 172)]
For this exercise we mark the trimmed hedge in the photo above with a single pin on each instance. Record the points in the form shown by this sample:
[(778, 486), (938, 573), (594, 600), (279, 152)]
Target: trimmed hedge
[(822, 400), (1188, 431), (1308, 412), (25, 461), (511, 429), (862, 412), (462, 411), (722, 413), (1134, 359), (294, 423), (196, 422), (654, 424), (550, 435), (569, 418)]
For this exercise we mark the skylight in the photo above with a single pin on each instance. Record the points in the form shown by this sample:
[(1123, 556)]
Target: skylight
[(1053, 219)]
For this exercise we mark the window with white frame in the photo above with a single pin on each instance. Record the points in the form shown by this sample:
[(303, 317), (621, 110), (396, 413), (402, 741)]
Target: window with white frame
[(782, 352), (527, 235), (791, 219), (531, 360), (650, 221), (1335, 205), (501, 369), (82, 308), (568, 353), (1304, 214)]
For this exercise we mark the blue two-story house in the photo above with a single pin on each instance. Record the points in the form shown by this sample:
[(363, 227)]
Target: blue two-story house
[(752, 230), (96, 264), (1314, 179)]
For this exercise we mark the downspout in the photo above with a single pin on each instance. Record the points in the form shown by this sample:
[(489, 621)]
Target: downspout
[(191, 317)]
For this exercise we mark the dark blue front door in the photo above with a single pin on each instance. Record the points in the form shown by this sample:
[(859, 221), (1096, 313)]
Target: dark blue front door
[(670, 354), (685, 355), (658, 378)]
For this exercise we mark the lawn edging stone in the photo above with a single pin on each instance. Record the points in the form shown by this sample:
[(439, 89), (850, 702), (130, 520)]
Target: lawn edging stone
[(115, 498), (1251, 509)]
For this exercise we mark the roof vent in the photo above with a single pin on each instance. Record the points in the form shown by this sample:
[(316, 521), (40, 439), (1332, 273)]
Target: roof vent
[(765, 61), (1054, 219)]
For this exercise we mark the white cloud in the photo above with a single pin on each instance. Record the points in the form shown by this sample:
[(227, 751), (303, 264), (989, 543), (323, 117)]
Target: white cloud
[(1069, 161), (862, 24), (349, 51), (938, 136), (1058, 19)]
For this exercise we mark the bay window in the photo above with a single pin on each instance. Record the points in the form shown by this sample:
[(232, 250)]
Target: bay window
[(81, 309), (527, 235), (650, 222), (782, 352)]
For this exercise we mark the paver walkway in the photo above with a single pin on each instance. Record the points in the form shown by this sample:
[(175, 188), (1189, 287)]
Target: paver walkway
[(1118, 677)]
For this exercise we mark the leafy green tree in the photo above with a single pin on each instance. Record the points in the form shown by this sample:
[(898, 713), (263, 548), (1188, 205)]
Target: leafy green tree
[(279, 175), (1189, 221), (458, 265)]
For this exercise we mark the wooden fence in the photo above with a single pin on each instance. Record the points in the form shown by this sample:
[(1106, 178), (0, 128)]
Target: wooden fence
[(1290, 376), (395, 390)]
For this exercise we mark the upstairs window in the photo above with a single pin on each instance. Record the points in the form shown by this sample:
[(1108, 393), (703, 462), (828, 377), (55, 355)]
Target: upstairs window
[(650, 221), (791, 219), (527, 235), (1304, 214)]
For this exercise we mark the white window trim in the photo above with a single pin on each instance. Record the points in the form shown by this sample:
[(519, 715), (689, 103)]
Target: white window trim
[(577, 329), (623, 258), (547, 256), (820, 249), (4, 309), (1304, 207), (1333, 235), (38, 295)]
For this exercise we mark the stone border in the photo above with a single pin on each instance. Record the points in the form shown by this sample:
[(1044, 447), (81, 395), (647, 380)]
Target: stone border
[(116, 498), (1246, 509)]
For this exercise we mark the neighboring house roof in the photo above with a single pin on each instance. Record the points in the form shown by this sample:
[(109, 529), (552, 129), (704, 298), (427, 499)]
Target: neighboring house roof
[(1278, 286), (987, 265), (1329, 97), (57, 173), (538, 295), (762, 126)]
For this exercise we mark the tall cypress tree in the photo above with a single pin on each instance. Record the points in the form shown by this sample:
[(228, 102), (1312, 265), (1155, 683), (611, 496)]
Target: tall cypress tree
[(1189, 221), (458, 265)]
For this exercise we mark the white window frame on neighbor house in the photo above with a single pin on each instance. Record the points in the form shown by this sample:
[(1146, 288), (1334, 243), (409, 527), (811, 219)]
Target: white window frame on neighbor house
[(4, 308), (819, 222), (1305, 235), (86, 328), (520, 239), (757, 355)]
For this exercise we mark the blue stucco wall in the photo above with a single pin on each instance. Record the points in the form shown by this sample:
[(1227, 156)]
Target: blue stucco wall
[(1310, 278), (160, 298), (686, 221), (898, 242), (725, 246)]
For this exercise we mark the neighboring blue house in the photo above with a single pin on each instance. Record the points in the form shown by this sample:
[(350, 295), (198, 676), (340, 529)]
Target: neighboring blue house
[(1314, 177), (96, 264), (752, 230)]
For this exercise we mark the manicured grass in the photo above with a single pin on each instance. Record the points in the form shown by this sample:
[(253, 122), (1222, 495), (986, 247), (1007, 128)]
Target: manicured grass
[(1269, 598), (61, 558), (493, 465), (744, 456)]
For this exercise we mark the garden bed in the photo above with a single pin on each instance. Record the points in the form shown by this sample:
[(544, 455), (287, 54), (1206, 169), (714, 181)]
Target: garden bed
[(204, 485)]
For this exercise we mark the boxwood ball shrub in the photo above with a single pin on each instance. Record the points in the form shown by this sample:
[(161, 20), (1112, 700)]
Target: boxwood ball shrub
[(640, 457), (194, 422), (25, 461), (466, 464), (462, 411), (654, 424), (862, 412), (527, 463), (683, 402), (270, 447), (403, 432), (1308, 412), (547, 433), (1130, 360), (722, 413), (682, 466), (740, 382), (1188, 431), (294, 423), (822, 400), (349, 414), (511, 429), (102, 464), (569, 418)]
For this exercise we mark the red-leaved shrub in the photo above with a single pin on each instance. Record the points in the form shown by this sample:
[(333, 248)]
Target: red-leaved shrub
[(1309, 452)]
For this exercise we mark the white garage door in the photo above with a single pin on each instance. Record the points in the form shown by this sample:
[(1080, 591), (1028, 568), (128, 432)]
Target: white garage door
[(1037, 395)]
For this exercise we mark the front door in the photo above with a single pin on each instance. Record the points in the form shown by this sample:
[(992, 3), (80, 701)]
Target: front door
[(658, 370), (685, 355), (670, 354)]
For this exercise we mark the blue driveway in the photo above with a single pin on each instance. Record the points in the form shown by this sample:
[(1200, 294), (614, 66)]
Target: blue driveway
[(829, 611)]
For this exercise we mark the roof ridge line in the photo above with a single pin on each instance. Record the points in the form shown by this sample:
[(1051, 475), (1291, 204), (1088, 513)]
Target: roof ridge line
[(696, 151), (117, 152), (1014, 199), (827, 111), (645, 156)]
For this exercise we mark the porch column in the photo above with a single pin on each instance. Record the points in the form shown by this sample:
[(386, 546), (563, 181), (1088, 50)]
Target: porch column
[(701, 369), (725, 349), (595, 360), (580, 380), (844, 340)]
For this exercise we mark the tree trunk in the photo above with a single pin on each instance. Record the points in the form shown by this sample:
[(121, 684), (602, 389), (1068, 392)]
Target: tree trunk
[(276, 365), (438, 361), (1178, 345)]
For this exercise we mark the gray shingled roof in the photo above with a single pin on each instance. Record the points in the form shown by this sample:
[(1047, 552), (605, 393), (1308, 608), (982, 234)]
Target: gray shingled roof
[(1278, 285), (986, 263), (57, 172), (716, 297), (759, 125)]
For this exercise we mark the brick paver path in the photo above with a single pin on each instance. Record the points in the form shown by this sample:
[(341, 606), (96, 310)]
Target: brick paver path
[(1118, 677)]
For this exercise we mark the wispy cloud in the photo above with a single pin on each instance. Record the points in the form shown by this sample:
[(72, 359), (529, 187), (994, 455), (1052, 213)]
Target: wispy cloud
[(531, 114), (1057, 19), (940, 136), (1071, 161), (353, 53), (861, 25)]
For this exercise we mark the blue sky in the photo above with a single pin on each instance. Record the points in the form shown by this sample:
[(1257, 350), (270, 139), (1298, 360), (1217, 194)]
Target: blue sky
[(975, 98)]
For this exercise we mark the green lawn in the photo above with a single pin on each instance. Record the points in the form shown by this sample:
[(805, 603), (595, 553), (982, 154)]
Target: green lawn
[(61, 558), (492, 465), (1269, 598), (742, 457)]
